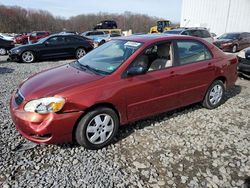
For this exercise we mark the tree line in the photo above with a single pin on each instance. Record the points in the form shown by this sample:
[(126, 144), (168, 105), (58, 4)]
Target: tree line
[(14, 19)]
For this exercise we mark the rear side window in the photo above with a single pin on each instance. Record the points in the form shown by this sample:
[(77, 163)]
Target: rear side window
[(195, 33), (205, 34), (191, 51)]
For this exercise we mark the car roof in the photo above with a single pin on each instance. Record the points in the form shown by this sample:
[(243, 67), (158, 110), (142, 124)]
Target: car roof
[(155, 37)]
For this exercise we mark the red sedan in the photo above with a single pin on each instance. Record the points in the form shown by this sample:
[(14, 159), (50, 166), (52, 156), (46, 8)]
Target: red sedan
[(122, 81)]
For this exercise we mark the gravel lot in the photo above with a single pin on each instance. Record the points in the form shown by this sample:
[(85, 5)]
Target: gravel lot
[(189, 147)]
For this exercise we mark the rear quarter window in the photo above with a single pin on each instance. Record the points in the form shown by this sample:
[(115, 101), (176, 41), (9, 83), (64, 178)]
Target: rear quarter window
[(191, 52)]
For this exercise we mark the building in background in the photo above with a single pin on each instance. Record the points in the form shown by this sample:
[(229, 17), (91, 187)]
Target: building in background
[(219, 16)]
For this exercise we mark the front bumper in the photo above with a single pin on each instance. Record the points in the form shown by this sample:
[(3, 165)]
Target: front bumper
[(52, 128), (14, 56)]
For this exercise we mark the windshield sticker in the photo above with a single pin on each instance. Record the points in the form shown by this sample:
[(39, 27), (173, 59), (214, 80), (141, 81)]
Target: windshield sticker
[(111, 68), (132, 44)]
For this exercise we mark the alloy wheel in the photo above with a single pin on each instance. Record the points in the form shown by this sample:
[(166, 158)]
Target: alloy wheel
[(2, 51), (28, 57), (215, 94), (100, 128), (80, 53)]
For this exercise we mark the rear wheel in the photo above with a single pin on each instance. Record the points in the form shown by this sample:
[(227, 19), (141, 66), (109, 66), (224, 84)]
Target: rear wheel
[(235, 48), (214, 95), (80, 52), (97, 128), (3, 51), (28, 57), (101, 43)]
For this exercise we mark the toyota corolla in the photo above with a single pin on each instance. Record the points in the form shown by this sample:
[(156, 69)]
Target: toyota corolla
[(122, 81)]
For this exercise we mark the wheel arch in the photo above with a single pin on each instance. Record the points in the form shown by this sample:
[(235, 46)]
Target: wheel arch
[(104, 104)]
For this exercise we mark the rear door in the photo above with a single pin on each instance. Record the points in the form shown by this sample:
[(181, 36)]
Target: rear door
[(195, 70)]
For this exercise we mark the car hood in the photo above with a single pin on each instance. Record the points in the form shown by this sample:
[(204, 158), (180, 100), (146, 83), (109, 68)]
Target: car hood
[(221, 41), (55, 81)]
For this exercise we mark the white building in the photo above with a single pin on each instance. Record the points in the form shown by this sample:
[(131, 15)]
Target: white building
[(219, 16)]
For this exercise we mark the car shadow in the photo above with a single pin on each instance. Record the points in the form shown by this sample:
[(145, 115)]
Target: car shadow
[(126, 130), (5, 70)]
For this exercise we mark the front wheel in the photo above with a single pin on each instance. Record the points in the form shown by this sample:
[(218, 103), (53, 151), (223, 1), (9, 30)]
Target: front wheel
[(80, 52), (28, 57), (214, 95), (3, 51), (97, 128)]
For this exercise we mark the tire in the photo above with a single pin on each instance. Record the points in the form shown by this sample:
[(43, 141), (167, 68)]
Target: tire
[(101, 43), (235, 48), (28, 57), (80, 52), (3, 51), (93, 132), (214, 95)]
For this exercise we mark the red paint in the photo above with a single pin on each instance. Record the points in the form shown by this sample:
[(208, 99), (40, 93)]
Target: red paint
[(133, 97)]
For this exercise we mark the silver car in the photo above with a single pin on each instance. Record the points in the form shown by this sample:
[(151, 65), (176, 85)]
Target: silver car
[(195, 32)]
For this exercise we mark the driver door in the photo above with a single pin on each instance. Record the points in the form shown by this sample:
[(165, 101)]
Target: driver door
[(54, 47), (155, 91)]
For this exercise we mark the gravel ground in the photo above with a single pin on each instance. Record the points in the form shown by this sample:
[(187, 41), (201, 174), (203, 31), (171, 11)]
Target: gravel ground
[(188, 147)]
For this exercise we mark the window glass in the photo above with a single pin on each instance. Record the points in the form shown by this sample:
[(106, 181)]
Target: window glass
[(205, 34), (156, 57), (109, 56), (72, 39), (195, 33), (190, 52), (56, 40)]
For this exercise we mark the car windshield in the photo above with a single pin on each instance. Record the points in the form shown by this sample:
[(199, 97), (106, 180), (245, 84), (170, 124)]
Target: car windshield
[(173, 32), (109, 56), (229, 36)]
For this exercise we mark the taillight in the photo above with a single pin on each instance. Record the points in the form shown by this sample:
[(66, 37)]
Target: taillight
[(233, 61)]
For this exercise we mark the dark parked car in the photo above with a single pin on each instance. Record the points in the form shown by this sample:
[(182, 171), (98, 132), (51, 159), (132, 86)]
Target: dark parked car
[(106, 24), (124, 80), (192, 31), (5, 46), (233, 42), (244, 62), (54, 46)]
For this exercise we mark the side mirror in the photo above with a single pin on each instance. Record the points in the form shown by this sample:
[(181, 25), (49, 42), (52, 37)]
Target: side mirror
[(240, 38), (46, 43), (138, 70)]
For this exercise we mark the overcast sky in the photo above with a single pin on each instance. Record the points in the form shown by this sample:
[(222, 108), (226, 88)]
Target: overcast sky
[(167, 9)]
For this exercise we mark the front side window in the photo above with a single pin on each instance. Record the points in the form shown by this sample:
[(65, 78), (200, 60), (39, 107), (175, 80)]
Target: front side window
[(156, 57), (109, 56), (190, 52)]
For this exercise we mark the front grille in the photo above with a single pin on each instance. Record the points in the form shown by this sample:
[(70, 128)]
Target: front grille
[(19, 98)]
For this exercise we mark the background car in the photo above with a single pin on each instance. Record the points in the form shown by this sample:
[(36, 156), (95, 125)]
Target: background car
[(21, 38), (195, 32), (244, 62), (5, 46), (6, 37), (99, 37), (54, 46), (106, 24), (233, 42), (122, 81), (37, 35)]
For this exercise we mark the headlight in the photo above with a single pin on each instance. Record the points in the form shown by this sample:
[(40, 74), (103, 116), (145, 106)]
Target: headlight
[(16, 51), (242, 54), (45, 105)]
